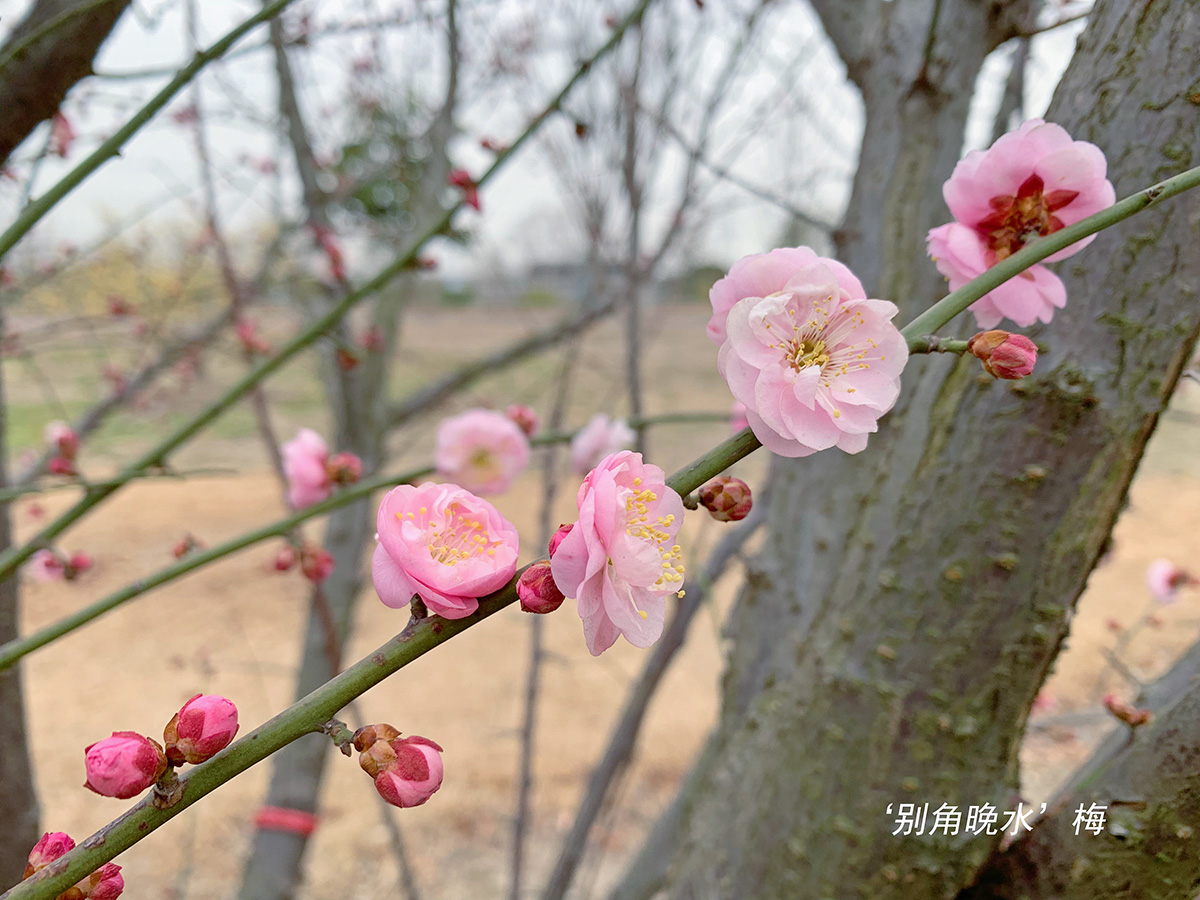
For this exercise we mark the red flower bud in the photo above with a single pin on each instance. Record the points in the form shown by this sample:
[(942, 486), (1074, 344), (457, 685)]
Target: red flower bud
[(726, 498), (527, 420), (460, 179), (346, 361), (52, 845), (123, 765), (316, 563), (344, 468), (61, 466), (1004, 355), (558, 537), (205, 725), (537, 591), (118, 306), (285, 558), (414, 775)]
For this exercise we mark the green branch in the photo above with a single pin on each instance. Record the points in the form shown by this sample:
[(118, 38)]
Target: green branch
[(919, 329), (158, 454), (33, 213)]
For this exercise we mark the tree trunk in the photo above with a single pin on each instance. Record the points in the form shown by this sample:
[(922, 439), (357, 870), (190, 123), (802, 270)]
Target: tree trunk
[(891, 638)]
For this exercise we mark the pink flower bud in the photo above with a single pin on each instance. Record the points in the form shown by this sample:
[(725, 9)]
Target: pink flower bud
[(559, 536), (1004, 355), (371, 340), (52, 845), (459, 178), (727, 499), (252, 341), (61, 466), (285, 558), (316, 563), (527, 420), (105, 883), (537, 590), (205, 724), (63, 438), (118, 306), (415, 774), (78, 564), (123, 765), (46, 565), (344, 468)]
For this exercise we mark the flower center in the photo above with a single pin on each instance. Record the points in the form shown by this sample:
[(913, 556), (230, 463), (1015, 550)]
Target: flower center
[(455, 536), (656, 532), (800, 354), (1015, 221)]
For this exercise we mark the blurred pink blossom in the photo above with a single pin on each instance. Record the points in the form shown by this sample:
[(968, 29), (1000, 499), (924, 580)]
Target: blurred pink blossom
[(481, 450), (599, 438), (46, 565), (304, 463), (1165, 579)]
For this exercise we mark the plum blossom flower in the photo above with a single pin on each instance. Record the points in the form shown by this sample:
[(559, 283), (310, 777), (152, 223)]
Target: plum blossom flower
[(764, 274), (443, 544), (202, 727), (1030, 183), (816, 363), (1164, 579), (304, 459), (620, 560), (123, 765), (481, 450), (599, 438)]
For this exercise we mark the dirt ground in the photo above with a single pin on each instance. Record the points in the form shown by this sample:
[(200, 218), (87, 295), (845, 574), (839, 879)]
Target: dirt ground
[(234, 629)]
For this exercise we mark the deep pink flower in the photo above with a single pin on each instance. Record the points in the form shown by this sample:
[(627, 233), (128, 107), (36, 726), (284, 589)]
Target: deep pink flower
[(414, 775), (764, 274), (599, 438), (537, 591), (815, 364), (443, 544), (1030, 183), (304, 463), (525, 417), (203, 726), (52, 845), (1164, 579), (46, 565), (123, 765), (481, 450), (620, 560)]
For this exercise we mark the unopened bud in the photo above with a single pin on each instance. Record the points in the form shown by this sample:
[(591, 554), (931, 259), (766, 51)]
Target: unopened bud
[(123, 765), (344, 468), (1131, 715), (524, 416), (726, 498), (285, 558), (369, 734), (346, 361), (105, 883), (316, 563), (186, 545), (559, 537), (60, 465), (52, 845), (78, 564), (63, 438), (205, 725), (537, 591), (1004, 355), (414, 775)]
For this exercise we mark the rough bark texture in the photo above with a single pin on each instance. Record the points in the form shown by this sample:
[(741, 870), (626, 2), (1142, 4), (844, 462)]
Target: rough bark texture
[(891, 638), (66, 35)]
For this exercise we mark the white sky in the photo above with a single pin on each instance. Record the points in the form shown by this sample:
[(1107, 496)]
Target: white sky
[(524, 216)]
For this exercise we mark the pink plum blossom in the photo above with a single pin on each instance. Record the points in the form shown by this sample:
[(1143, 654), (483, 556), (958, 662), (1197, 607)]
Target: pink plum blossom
[(815, 364), (443, 544), (481, 450), (1164, 579), (620, 560), (123, 765), (1030, 183), (764, 274), (202, 727), (414, 775), (304, 463), (599, 438)]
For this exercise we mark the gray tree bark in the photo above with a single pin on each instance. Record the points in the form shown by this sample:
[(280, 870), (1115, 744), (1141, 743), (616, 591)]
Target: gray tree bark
[(892, 636)]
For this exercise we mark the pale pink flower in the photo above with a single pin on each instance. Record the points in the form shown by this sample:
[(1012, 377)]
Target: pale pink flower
[(481, 450), (46, 565), (304, 463), (202, 727), (123, 765), (1030, 183), (443, 544), (764, 274), (599, 438), (815, 364), (1164, 579), (414, 775), (620, 560)]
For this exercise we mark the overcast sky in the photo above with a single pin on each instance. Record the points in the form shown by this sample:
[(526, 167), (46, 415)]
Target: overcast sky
[(524, 216)]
